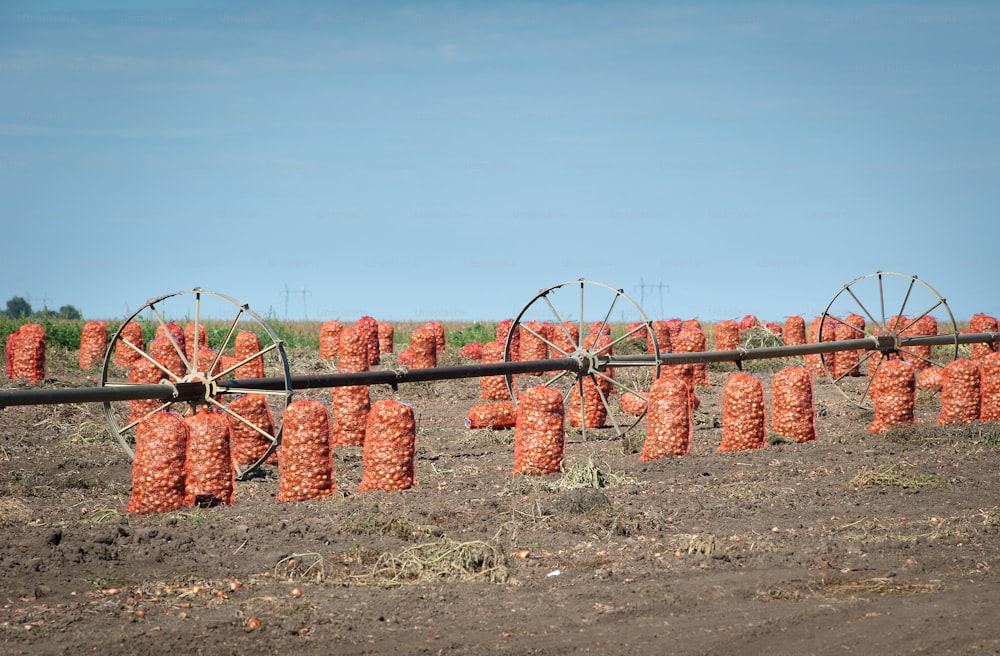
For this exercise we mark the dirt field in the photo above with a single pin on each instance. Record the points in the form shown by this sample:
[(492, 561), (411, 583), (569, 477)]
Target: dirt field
[(855, 544)]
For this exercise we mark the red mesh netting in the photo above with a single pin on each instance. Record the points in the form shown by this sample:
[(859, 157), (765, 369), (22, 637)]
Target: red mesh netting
[(675, 326), (209, 361), (690, 324), (305, 460), (144, 372), (386, 338), (9, 354), (663, 338), (930, 378), (405, 357), (353, 351), (692, 340), (892, 391), (961, 392), (749, 321), (162, 350), (983, 323), (493, 388), (390, 444), (633, 404), (27, 353), (539, 434), (792, 412), (686, 372), (814, 361), (171, 329), (602, 347), (351, 405), (990, 385), (367, 327), (93, 344), (472, 350), (846, 363), (505, 332), (439, 333), (565, 338), (247, 343), (595, 414), (248, 443), (329, 339), (501, 414), (125, 355), (668, 420), (533, 345), (640, 328), (190, 341), (727, 335), (210, 479), (743, 416), (916, 354), (423, 345), (794, 331), (159, 463)]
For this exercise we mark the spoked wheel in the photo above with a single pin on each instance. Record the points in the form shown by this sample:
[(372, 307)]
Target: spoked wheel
[(564, 321), (891, 307), (198, 336)]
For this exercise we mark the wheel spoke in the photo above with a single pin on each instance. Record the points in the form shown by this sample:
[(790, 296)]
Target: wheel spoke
[(242, 362), (906, 298), (607, 406), (881, 300), (562, 326), (170, 336), (607, 315), (863, 308), (912, 322)]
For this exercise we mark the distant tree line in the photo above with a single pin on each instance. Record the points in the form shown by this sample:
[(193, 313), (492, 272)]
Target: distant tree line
[(19, 308)]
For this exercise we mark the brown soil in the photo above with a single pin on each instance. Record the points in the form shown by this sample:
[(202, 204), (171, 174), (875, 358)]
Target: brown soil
[(851, 544)]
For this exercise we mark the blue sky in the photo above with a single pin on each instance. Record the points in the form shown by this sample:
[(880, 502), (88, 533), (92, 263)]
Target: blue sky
[(417, 161)]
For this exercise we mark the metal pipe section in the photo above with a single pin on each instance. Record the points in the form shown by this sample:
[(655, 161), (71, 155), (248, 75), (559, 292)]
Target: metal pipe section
[(158, 392)]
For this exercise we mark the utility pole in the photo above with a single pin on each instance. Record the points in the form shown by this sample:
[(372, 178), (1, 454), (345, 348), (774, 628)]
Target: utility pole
[(658, 286), (303, 292)]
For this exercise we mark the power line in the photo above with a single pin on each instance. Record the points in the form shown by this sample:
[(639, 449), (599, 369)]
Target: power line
[(659, 287), (297, 292)]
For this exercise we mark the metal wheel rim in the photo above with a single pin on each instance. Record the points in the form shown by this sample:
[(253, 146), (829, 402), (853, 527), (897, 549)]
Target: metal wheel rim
[(273, 354)]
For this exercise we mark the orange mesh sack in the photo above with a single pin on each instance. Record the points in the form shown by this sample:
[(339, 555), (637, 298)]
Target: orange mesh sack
[(247, 343), (9, 353), (668, 420), (144, 372), (210, 479), (663, 338), (353, 351), (191, 342), (209, 361), (351, 405), (329, 339), (846, 363), (423, 344), (533, 345), (439, 334), (565, 337), (633, 404), (930, 378), (595, 414), (390, 444), (603, 348), (173, 331), (493, 388), (248, 442), (794, 331), (158, 466), (501, 414), (304, 460), (368, 327), (814, 362), (961, 392), (472, 350), (743, 415), (675, 326), (990, 407), (792, 412), (386, 337), (505, 333), (749, 321), (686, 372), (919, 355), (539, 434), (28, 353), (892, 391), (162, 350), (691, 340), (637, 330), (727, 335), (93, 343), (124, 354), (983, 323)]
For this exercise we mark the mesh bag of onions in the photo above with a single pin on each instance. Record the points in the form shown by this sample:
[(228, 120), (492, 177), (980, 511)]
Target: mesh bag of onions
[(539, 433), (353, 351), (251, 434), (930, 378), (794, 331), (125, 355), (386, 337), (210, 479), (727, 335), (305, 460), (983, 323), (919, 355), (368, 328), (472, 350), (144, 372), (351, 405), (27, 353), (565, 338), (390, 444), (686, 372), (792, 412), (533, 345), (439, 334), (743, 415), (892, 391), (633, 404), (961, 392), (990, 384), (163, 351), (171, 330), (9, 354), (493, 388), (423, 345), (661, 329), (93, 343), (506, 331), (692, 340), (247, 343), (595, 413), (329, 339), (668, 420), (846, 363), (189, 339), (159, 464), (497, 415)]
